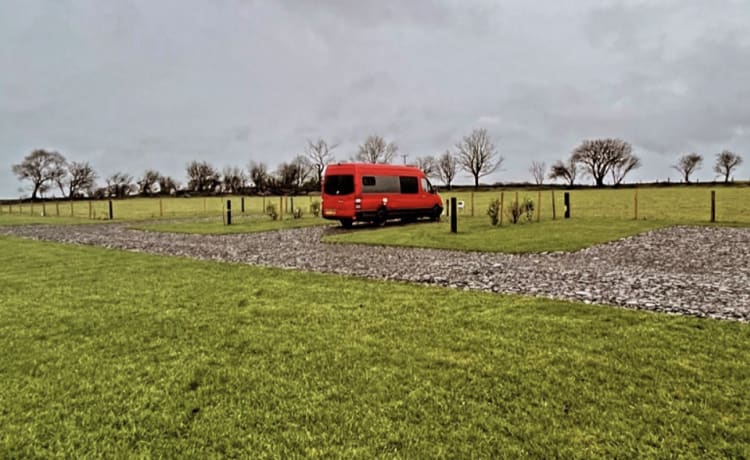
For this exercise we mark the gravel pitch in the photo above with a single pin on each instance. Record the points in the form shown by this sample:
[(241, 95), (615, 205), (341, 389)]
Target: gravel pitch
[(698, 271)]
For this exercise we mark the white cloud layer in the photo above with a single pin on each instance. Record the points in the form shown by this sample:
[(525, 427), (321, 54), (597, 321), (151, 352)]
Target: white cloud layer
[(137, 84)]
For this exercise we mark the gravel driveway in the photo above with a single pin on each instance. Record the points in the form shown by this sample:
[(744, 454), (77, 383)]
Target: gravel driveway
[(700, 271)]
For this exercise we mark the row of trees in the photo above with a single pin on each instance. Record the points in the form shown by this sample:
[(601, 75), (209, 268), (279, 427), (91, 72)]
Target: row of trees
[(475, 154), (614, 158)]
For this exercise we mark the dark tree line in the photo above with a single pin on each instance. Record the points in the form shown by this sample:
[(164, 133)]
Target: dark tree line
[(475, 154)]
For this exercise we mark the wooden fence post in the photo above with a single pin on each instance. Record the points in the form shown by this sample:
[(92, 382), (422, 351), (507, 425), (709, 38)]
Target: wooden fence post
[(44, 209), (72, 213), (554, 216), (57, 208), (713, 206), (111, 215), (472, 204), (91, 210), (539, 206), (161, 208), (502, 206), (281, 207), (635, 205), (31, 210)]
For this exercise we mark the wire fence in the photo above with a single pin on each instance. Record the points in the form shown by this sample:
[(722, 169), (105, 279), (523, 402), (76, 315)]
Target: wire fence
[(155, 208), (677, 204)]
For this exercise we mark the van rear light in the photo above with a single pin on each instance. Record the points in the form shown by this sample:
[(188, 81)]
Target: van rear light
[(358, 203)]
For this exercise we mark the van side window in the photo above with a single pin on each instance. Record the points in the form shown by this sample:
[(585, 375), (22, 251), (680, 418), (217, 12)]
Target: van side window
[(409, 184), (380, 184), (426, 186)]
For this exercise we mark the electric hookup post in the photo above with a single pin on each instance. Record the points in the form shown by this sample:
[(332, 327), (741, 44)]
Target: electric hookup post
[(229, 212), (566, 201), (454, 217)]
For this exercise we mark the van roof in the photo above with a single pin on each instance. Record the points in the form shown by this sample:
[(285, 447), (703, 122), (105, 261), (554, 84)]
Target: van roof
[(372, 167)]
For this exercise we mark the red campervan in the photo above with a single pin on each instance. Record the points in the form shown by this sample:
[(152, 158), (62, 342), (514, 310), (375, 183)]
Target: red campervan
[(365, 192)]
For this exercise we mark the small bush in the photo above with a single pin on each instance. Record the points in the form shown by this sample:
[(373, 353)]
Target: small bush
[(297, 213), (516, 209), (271, 212), (494, 211), (315, 208)]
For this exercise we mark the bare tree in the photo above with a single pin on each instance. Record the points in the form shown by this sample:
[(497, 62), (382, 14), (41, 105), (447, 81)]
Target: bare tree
[(621, 168), (726, 161), (233, 180), (428, 165), (258, 175), (148, 182), (537, 170), (687, 164), (477, 155), (567, 171), (292, 176), (202, 177), (41, 168), (119, 185), (376, 150), (167, 185), (447, 167), (319, 154), (81, 178), (599, 156)]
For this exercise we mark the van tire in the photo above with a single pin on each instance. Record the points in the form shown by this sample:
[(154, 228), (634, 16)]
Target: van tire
[(437, 211), (381, 217), (346, 223)]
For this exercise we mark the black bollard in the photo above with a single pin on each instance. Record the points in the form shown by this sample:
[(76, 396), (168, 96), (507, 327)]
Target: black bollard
[(454, 216), (229, 212), (566, 201), (110, 210)]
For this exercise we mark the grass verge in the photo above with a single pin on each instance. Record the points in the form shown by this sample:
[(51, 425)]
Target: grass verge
[(239, 225), (118, 353), (476, 234)]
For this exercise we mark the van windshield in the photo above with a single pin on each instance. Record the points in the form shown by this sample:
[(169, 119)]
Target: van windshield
[(339, 185)]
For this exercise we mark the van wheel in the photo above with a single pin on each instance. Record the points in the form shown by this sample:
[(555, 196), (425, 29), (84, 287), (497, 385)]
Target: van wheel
[(346, 223), (436, 212), (381, 217)]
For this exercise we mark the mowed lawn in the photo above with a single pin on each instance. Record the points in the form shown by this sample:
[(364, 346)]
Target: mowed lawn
[(475, 234), (108, 353)]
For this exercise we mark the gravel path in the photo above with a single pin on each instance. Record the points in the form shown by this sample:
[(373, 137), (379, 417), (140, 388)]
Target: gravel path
[(700, 271)]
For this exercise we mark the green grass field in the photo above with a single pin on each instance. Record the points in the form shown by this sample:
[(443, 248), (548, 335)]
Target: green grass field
[(678, 204), (475, 234), (675, 204), (156, 208), (108, 353)]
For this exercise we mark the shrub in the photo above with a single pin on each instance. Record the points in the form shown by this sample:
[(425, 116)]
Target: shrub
[(297, 213), (516, 209), (271, 212), (494, 211), (315, 208)]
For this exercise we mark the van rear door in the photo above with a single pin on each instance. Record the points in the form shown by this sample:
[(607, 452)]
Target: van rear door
[(338, 201)]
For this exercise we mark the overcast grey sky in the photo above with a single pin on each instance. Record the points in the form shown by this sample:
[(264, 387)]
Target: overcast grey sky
[(136, 84)]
